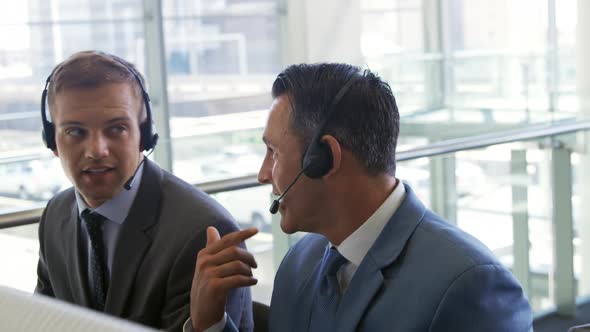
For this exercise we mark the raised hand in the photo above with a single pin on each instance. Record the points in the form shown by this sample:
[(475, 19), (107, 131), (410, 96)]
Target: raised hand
[(221, 266)]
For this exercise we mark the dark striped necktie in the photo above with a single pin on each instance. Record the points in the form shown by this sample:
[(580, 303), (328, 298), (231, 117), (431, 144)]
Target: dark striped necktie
[(94, 224)]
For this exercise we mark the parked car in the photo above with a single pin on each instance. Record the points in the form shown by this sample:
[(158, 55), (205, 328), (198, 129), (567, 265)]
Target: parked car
[(37, 179)]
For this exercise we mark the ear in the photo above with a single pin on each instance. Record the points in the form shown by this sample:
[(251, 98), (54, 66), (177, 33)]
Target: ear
[(336, 150), (55, 153)]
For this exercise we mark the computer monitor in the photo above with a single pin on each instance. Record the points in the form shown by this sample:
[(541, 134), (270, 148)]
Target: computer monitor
[(20, 311)]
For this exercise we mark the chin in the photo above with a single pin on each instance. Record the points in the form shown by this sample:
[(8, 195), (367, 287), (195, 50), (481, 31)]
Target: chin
[(99, 195), (286, 227)]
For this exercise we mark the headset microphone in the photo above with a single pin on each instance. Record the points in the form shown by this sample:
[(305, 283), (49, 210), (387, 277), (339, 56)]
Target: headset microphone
[(129, 183), (274, 207)]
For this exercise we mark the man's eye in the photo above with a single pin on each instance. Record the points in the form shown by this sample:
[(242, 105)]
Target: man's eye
[(75, 132), (116, 129), (271, 153)]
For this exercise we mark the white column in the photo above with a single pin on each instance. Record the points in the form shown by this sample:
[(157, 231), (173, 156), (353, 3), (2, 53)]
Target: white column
[(322, 31), (520, 220), (155, 57), (563, 288), (583, 176)]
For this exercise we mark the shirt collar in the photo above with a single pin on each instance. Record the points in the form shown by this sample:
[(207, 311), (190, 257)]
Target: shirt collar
[(355, 247), (116, 208)]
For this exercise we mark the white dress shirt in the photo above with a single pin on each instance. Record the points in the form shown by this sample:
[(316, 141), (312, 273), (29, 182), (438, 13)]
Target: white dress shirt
[(355, 247)]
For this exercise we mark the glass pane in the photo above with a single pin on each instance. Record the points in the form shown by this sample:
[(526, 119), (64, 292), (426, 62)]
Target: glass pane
[(566, 17), (222, 57), (416, 173), (479, 66), (486, 207), (504, 63), (517, 25), (392, 44)]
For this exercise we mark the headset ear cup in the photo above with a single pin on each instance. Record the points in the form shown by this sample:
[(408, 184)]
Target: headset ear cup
[(154, 140), (149, 136), (48, 131), (145, 140), (48, 135), (318, 160), (153, 136)]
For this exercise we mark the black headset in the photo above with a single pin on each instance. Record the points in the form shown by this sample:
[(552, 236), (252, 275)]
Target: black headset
[(317, 159), (147, 129)]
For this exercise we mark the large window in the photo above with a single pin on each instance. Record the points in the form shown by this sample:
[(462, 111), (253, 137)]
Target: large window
[(456, 67)]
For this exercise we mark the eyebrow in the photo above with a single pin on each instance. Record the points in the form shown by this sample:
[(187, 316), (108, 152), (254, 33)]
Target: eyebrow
[(118, 119), (110, 121), (70, 123)]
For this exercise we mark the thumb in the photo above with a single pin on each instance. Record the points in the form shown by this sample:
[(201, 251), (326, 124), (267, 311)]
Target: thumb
[(212, 235)]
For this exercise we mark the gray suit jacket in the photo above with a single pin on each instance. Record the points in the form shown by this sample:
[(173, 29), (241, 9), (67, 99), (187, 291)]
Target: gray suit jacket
[(154, 259), (421, 274)]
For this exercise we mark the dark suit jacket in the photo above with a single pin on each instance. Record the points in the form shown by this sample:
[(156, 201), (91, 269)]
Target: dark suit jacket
[(154, 258), (421, 274)]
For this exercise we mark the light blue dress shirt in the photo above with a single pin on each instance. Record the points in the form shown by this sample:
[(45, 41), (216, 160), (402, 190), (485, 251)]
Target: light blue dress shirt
[(115, 210)]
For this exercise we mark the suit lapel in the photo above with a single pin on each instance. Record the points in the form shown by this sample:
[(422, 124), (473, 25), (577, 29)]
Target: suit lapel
[(77, 275), (134, 239), (368, 279)]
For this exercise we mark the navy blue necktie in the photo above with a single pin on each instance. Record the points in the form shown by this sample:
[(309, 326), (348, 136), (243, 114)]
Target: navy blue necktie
[(327, 297), (94, 223)]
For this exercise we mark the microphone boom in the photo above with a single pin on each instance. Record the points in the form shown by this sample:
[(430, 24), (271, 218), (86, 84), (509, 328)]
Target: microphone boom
[(274, 207)]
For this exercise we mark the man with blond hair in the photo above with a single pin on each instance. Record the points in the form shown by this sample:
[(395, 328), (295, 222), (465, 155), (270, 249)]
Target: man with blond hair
[(124, 239)]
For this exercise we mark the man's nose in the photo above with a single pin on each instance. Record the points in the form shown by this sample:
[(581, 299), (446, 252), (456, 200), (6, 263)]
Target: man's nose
[(265, 173), (97, 147)]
